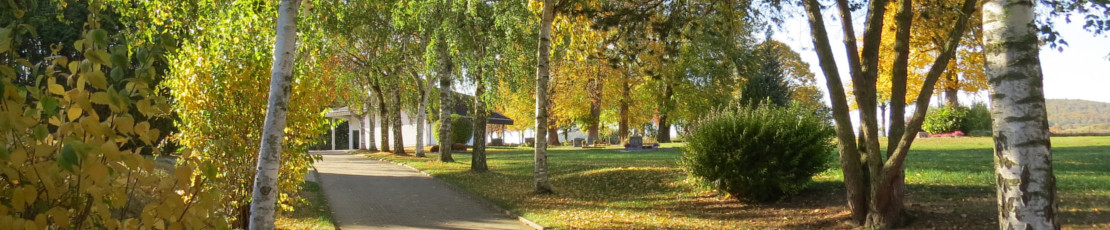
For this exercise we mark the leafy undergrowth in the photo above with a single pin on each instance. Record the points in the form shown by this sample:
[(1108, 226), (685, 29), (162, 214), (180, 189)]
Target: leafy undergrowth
[(311, 213), (950, 183)]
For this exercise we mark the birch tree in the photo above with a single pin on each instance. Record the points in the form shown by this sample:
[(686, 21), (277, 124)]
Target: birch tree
[(542, 178), (1026, 185), (269, 155)]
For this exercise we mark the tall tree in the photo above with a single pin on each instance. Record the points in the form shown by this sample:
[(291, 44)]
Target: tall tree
[(446, 68), (269, 155), (871, 181), (398, 139), (423, 87), (542, 178), (769, 83), (1023, 151)]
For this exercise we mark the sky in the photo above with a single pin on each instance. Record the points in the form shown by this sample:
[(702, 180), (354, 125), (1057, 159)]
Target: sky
[(1080, 71)]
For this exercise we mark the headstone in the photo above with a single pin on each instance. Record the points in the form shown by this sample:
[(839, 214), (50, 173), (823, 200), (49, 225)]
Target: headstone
[(531, 141), (497, 142), (613, 140), (591, 141), (636, 142), (578, 142)]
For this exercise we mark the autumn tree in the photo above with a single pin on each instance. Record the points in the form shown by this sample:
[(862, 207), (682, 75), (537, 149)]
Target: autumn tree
[(879, 202)]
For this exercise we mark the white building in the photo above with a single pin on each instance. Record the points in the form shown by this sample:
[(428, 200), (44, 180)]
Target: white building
[(356, 137)]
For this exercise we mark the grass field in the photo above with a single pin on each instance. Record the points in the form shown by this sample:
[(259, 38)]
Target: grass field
[(950, 186)]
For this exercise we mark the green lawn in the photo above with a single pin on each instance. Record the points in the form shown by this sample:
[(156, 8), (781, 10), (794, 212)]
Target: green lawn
[(950, 186)]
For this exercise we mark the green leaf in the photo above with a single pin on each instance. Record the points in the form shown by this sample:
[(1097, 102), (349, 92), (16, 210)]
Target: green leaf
[(99, 57), (7, 71), (4, 153), (40, 132), (5, 40), (119, 58), (98, 37), (117, 74), (49, 104), (68, 159)]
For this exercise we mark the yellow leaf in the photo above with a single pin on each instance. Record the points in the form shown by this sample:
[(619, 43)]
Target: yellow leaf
[(56, 89), (98, 172), (100, 98), (97, 79), (73, 113), (125, 125)]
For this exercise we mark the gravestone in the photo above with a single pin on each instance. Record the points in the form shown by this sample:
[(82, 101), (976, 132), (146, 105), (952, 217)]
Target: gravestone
[(578, 142), (613, 140), (531, 141), (591, 142), (636, 142), (497, 142)]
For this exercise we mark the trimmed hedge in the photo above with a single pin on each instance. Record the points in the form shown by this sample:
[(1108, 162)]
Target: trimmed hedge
[(944, 119), (760, 154), (976, 119), (461, 129)]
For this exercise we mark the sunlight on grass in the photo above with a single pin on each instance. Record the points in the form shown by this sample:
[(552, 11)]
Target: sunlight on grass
[(950, 182)]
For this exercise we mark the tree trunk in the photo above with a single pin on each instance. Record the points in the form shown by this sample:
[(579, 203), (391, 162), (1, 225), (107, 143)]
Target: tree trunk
[(552, 130), (383, 114), (951, 93), (478, 154), (445, 68), (542, 182), (553, 136), (1023, 153), (664, 132), (622, 124), (265, 193), (849, 154), (369, 133), (595, 107), (421, 115), (398, 138)]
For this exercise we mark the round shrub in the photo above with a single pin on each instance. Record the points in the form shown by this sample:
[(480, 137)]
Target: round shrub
[(945, 119), (978, 121), (461, 129), (760, 154)]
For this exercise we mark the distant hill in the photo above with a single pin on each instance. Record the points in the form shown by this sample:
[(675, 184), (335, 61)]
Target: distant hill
[(1078, 116)]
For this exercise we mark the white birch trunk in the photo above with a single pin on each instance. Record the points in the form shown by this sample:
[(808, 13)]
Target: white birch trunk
[(541, 175), (265, 193), (1026, 185), (445, 108), (370, 144), (422, 117)]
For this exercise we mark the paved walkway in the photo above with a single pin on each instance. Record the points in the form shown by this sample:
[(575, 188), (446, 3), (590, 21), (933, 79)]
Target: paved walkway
[(369, 194)]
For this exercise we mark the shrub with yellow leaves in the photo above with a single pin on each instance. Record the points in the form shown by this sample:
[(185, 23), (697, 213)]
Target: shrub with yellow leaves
[(65, 129)]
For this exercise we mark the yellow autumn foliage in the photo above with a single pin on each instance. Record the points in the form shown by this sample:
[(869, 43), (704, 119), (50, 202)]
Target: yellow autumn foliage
[(66, 128), (220, 81)]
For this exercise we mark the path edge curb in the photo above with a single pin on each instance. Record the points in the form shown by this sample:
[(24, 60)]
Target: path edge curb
[(316, 176), (472, 196)]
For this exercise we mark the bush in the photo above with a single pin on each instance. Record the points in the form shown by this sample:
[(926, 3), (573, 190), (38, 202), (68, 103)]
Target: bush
[(945, 119), (760, 154), (978, 121), (461, 129)]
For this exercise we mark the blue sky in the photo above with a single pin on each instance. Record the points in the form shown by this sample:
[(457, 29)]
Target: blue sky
[(1081, 71)]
